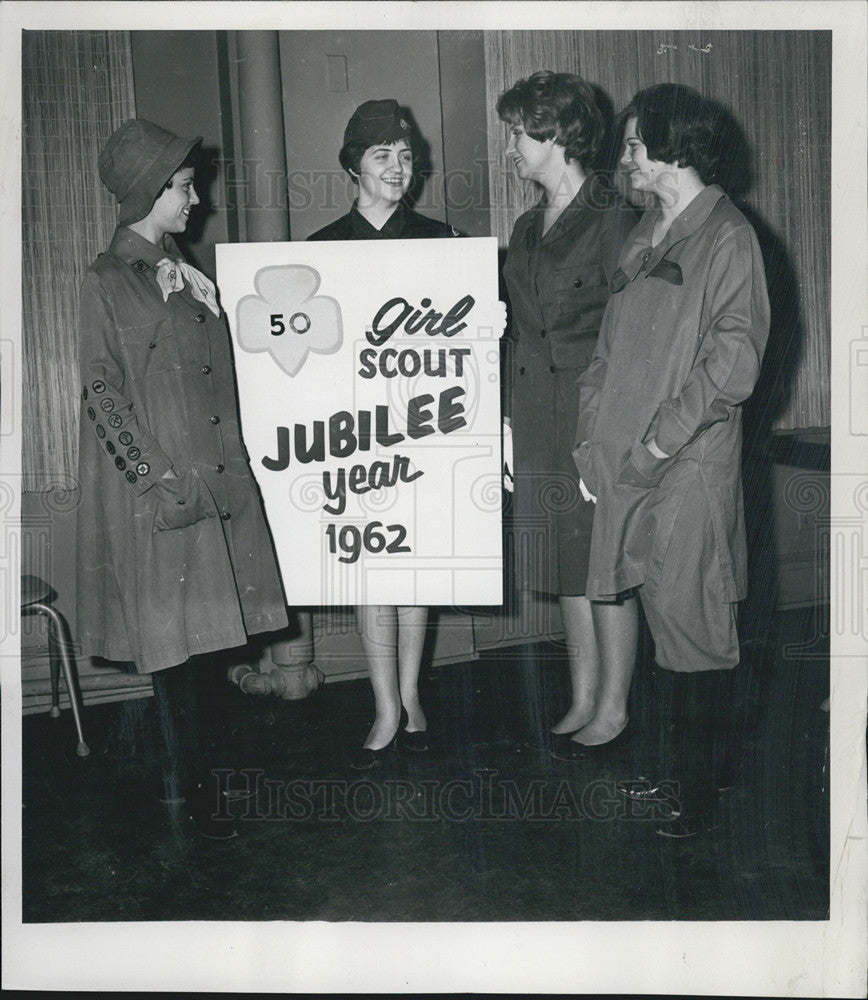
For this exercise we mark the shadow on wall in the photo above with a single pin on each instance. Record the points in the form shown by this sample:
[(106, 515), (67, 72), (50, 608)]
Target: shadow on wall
[(207, 170), (771, 394)]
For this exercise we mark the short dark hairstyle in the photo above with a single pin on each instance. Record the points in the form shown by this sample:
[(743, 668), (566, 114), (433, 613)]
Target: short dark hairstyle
[(559, 106), (190, 160), (678, 126), (352, 153)]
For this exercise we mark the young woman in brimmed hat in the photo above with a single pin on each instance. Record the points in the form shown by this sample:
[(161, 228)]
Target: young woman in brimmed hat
[(380, 152), (174, 557)]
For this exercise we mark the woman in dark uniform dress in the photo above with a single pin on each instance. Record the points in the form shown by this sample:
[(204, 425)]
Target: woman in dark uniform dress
[(379, 152), (174, 558), (561, 258)]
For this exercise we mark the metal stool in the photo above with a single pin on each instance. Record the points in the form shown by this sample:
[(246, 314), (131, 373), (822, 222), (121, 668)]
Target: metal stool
[(36, 598)]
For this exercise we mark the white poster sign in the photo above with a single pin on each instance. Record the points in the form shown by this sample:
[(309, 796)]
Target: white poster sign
[(369, 383)]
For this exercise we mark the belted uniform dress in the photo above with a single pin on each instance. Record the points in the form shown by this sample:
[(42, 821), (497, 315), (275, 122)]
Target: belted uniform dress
[(558, 285), (167, 568)]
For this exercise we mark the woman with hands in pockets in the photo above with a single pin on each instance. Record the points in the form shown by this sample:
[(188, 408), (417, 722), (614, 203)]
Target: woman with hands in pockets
[(174, 557), (659, 433)]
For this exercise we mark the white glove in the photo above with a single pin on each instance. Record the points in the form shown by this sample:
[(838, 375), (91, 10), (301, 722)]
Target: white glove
[(508, 483), (586, 494)]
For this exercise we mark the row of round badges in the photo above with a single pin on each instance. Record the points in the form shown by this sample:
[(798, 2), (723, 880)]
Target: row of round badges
[(125, 438)]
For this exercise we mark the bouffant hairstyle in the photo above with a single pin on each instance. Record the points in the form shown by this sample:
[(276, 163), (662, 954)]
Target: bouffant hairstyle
[(678, 126), (351, 154), (559, 106)]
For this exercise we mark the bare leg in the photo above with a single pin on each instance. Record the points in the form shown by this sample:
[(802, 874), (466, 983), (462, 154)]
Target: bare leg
[(584, 660), (378, 624), (411, 640), (617, 630)]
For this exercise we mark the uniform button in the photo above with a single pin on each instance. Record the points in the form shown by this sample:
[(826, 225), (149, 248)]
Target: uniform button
[(220, 468), (199, 318), (577, 283), (143, 468), (521, 370), (181, 503), (542, 333), (152, 344), (552, 369), (206, 369), (215, 420), (226, 515)]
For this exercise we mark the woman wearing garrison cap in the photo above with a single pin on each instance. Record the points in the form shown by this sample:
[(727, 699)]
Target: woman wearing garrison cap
[(380, 152), (174, 557)]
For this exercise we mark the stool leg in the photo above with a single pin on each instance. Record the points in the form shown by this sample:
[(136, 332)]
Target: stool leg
[(58, 631), (54, 667)]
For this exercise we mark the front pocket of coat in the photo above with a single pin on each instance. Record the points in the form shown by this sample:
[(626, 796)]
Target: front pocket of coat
[(580, 295), (149, 350)]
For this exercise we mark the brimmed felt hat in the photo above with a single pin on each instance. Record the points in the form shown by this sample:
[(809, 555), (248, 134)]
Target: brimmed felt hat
[(376, 121), (137, 161)]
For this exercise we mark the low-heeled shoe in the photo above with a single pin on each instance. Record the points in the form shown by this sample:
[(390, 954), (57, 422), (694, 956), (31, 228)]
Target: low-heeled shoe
[(365, 758), (546, 743), (418, 741), (646, 789), (574, 751)]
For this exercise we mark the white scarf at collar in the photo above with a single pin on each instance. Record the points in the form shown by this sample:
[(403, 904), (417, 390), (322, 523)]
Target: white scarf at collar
[(170, 278)]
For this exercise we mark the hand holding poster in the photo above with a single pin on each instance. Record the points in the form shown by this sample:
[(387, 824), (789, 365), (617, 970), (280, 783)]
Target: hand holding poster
[(369, 385)]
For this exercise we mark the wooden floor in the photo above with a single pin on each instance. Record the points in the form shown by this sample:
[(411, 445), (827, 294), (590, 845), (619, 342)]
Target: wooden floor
[(471, 832)]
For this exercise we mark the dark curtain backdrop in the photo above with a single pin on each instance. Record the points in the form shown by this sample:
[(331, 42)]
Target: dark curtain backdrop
[(777, 87), (78, 86)]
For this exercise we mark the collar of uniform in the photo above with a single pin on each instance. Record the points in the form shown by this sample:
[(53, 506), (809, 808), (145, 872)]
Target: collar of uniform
[(392, 228), (633, 256), (139, 253), (593, 194)]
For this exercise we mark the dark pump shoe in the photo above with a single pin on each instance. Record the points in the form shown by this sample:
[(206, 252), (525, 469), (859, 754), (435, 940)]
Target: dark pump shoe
[(418, 741), (576, 752), (645, 789), (365, 758), (554, 744)]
